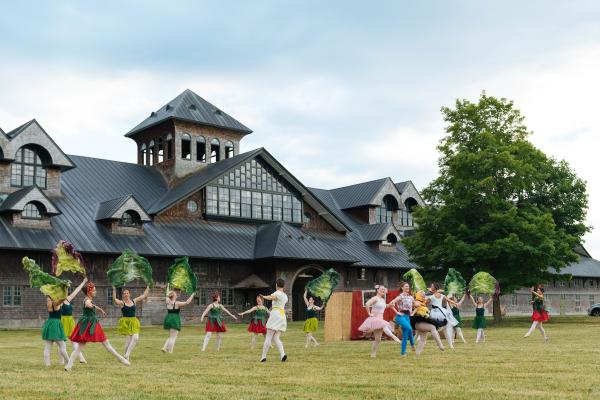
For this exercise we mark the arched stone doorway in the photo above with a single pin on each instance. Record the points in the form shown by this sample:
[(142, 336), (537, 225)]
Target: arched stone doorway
[(303, 276)]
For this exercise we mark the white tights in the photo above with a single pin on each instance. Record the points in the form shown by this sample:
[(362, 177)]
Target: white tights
[(170, 342), (207, 339), (388, 331), (78, 347), (272, 336), (310, 338), (480, 335), (63, 360), (62, 350), (130, 343), (536, 324), (449, 334), (459, 334), (423, 328)]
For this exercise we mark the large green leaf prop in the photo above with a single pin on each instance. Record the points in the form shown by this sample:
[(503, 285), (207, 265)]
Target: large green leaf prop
[(484, 283), (180, 276), (50, 285), (454, 284), (128, 267), (65, 258), (322, 287), (415, 280)]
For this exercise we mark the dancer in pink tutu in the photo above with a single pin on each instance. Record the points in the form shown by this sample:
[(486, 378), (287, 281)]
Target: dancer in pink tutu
[(375, 324)]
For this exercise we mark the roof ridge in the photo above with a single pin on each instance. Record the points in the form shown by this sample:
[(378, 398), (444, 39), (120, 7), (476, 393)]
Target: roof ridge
[(20, 128), (361, 183)]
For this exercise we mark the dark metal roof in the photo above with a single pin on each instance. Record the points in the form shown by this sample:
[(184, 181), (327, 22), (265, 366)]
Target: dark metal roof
[(402, 185), (586, 267), (358, 195), (12, 200), (188, 106), (377, 232), (281, 240), (108, 208)]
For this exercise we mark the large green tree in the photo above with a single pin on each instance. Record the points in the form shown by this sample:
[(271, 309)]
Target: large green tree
[(499, 204)]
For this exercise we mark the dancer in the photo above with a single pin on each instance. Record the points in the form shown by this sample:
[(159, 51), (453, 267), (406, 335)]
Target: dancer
[(479, 322), (129, 325), (88, 329), (258, 322), (540, 315), (215, 321), (53, 332), (423, 325), (375, 324), (66, 319), (440, 314), (172, 320), (277, 323), (455, 308), (312, 323), (405, 303)]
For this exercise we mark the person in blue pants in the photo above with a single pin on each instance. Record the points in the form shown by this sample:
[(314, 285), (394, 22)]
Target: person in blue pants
[(405, 309)]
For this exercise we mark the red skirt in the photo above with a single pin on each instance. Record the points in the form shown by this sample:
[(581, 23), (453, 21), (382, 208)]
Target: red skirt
[(214, 327), (540, 316), (257, 327), (98, 335)]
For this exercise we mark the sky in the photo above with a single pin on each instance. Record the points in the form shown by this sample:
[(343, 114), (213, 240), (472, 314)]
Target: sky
[(340, 92)]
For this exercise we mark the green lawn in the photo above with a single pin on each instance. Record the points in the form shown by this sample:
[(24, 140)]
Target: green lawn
[(506, 366)]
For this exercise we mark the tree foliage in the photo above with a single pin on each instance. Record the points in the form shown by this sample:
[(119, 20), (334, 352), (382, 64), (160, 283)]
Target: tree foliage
[(499, 204)]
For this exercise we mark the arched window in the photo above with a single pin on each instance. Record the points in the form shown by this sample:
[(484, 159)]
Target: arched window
[(215, 150), (28, 169), (169, 147), (391, 239), (161, 150), (130, 218), (151, 153), (385, 212), (228, 149), (201, 149), (143, 154), (186, 147), (405, 216), (32, 211)]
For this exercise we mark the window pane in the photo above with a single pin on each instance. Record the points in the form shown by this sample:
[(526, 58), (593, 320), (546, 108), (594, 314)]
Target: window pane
[(297, 216), (267, 199), (223, 208), (17, 296), (223, 194), (235, 209), (234, 196), (277, 214), (277, 201), (256, 212), (287, 201), (267, 212), (245, 211), (287, 214), (7, 296)]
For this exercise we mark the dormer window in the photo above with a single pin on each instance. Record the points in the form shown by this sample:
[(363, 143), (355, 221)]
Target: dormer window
[(215, 150), (229, 149), (186, 146), (201, 149), (130, 218), (28, 169), (385, 212), (391, 239), (32, 211)]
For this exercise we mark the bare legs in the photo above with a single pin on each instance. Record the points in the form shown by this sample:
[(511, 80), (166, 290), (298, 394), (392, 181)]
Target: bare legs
[(275, 337), (423, 328), (62, 350), (170, 342)]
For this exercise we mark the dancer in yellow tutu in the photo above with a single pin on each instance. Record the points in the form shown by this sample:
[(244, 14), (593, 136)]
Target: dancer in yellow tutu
[(129, 325), (312, 322)]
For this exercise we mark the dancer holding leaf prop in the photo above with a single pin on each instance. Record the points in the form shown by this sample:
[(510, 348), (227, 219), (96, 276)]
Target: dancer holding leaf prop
[(454, 305), (259, 319), (277, 323), (415, 280), (88, 329), (129, 266), (66, 319), (181, 276), (51, 286), (129, 325), (479, 322), (65, 258), (323, 286), (172, 320), (312, 322), (540, 315), (215, 321), (484, 283)]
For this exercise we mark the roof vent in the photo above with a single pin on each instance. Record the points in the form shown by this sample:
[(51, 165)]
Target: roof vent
[(168, 107), (153, 114), (218, 112), (192, 107)]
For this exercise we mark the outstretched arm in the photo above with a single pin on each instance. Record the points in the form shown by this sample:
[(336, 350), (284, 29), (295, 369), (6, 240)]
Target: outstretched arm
[(117, 302), (473, 300), (305, 299), (247, 311), (487, 303), (230, 314), (144, 296), (185, 303), (77, 290), (269, 297), (462, 299), (206, 310)]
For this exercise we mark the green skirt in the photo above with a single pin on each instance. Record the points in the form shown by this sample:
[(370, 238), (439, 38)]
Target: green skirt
[(479, 322), (172, 321), (311, 325), (128, 326), (53, 330)]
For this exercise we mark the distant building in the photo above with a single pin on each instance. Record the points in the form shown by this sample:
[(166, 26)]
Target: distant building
[(242, 218)]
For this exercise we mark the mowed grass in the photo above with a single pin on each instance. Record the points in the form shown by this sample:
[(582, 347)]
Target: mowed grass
[(506, 366)]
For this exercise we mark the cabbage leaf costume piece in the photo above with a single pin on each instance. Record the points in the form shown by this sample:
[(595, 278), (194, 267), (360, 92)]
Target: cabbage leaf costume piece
[(415, 280), (484, 283), (55, 288), (128, 267), (181, 277), (65, 258), (322, 287), (454, 284)]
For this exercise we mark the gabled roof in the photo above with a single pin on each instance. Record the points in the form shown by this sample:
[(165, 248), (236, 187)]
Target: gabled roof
[(19, 129), (361, 194), (17, 200), (402, 185), (251, 282), (586, 267), (377, 232), (110, 209), (281, 240), (188, 106)]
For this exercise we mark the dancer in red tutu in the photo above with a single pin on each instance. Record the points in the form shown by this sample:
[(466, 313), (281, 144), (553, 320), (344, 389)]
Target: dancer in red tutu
[(215, 320), (259, 320), (540, 315), (88, 329)]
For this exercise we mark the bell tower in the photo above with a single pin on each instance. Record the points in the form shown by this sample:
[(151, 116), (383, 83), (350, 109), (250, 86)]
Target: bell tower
[(185, 135)]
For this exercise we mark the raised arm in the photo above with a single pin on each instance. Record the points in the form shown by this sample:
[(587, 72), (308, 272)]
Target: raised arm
[(230, 314), (305, 299), (77, 290), (206, 310), (462, 299), (247, 311), (116, 302), (144, 295), (487, 303), (54, 304), (268, 297), (473, 300), (185, 303)]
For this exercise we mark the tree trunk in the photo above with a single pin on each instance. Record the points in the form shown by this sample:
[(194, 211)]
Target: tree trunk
[(496, 308)]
